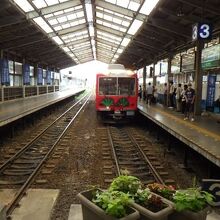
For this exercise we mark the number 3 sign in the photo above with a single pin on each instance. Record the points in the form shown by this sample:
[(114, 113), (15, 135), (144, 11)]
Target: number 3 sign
[(201, 31)]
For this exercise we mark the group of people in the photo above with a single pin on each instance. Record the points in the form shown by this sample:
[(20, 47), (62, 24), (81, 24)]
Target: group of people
[(181, 99)]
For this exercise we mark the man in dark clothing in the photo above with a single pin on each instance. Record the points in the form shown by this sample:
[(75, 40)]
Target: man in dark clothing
[(190, 99)]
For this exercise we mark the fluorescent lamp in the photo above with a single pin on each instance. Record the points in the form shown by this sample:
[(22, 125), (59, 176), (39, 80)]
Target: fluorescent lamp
[(135, 26), (24, 5), (148, 6)]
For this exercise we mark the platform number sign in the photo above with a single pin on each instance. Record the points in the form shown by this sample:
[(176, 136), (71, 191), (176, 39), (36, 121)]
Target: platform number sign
[(201, 31), (212, 186)]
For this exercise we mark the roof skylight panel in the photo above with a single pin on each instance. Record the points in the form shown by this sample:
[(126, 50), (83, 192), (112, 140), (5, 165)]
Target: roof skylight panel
[(107, 17), (71, 16), (57, 28), (62, 19), (125, 41), (63, 1), (148, 6), (58, 13), (125, 23), (57, 40), (68, 10), (80, 14), (48, 15), (53, 21), (24, 5), (40, 3), (42, 24), (82, 21), (135, 26), (51, 2), (99, 14), (64, 26), (123, 3), (117, 21), (134, 5), (111, 1)]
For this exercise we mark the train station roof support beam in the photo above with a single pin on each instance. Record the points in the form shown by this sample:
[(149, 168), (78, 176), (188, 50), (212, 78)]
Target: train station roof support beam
[(203, 6), (53, 8)]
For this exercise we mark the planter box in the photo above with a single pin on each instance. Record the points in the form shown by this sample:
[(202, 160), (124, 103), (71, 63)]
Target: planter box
[(146, 214), (93, 212), (189, 215)]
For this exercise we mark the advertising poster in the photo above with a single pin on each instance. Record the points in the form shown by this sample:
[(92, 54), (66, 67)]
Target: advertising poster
[(4, 71), (26, 74), (211, 92), (39, 76), (48, 76)]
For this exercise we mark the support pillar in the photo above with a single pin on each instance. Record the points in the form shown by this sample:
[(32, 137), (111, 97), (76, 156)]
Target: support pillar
[(144, 81), (198, 77), (169, 77), (154, 77)]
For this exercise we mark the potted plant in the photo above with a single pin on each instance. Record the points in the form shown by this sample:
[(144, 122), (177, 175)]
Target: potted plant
[(191, 204), (107, 205), (149, 205)]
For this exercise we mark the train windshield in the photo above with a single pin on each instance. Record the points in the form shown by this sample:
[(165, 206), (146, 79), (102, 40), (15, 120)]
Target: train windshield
[(116, 86)]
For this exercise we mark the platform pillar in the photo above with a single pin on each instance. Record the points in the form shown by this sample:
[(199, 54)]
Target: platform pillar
[(144, 81), (154, 77), (169, 77), (198, 77)]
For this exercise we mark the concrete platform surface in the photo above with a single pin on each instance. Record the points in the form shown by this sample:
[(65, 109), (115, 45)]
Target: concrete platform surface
[(37, 205), (75, 212)]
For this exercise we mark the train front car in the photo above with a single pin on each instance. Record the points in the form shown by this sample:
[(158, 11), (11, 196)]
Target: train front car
[(116, 93)]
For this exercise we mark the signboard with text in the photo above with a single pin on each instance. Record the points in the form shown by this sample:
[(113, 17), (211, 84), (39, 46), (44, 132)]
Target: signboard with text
[(210, 91), (26, 74), (4, 71)]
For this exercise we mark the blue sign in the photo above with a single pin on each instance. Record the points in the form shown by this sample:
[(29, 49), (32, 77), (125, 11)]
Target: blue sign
[(201, 31), (39, 76), (48, 77), (211, 91), (4, 71), (26, 74)]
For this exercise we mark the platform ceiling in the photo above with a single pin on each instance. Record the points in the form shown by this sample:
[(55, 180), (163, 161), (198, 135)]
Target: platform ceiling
[(61, 33)]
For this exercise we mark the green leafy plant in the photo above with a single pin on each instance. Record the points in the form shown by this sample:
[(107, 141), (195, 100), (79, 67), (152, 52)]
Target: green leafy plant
[(126, 184), (192, 199), (141, 196), (114, 203)]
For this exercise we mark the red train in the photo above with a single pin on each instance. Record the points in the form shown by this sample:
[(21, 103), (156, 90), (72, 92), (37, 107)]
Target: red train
[(116, 93)]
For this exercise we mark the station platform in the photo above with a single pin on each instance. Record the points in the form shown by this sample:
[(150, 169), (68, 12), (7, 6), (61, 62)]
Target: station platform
[(202, 135), (15, 109)]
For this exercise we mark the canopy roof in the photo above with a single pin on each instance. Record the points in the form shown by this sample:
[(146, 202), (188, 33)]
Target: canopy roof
[(60, 33)]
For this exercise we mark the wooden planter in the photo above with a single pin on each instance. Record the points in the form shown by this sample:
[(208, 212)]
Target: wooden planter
[(189, 215), (147, 214), (93, 212)]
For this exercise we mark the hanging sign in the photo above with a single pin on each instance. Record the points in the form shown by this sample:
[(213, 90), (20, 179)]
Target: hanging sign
[(48, 76), (211, 91), (201, 31), (212, 186), (26, 74), (4, 71), (39, 76)]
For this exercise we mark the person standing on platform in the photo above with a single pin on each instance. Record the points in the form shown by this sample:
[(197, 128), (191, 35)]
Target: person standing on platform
[(178, 97), (183, 100), (140, 92), (171, 91), (165, 94), (149, 93), (190, 100)]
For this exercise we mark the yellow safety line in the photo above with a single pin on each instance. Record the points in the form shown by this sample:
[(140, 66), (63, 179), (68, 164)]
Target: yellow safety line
[(202, 130)]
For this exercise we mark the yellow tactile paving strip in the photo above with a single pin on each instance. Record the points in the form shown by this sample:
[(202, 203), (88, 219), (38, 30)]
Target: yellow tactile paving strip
[(189, 124), (210, 147)]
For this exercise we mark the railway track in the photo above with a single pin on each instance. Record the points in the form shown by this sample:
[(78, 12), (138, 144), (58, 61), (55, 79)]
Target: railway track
[(20, 170), (131, 154)]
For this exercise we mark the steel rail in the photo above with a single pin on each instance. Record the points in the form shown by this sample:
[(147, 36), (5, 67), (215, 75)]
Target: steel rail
[(153, 170), (10, 160), (13, 204)]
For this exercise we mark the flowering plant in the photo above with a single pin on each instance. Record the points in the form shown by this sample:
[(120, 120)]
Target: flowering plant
[(163, 190)]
